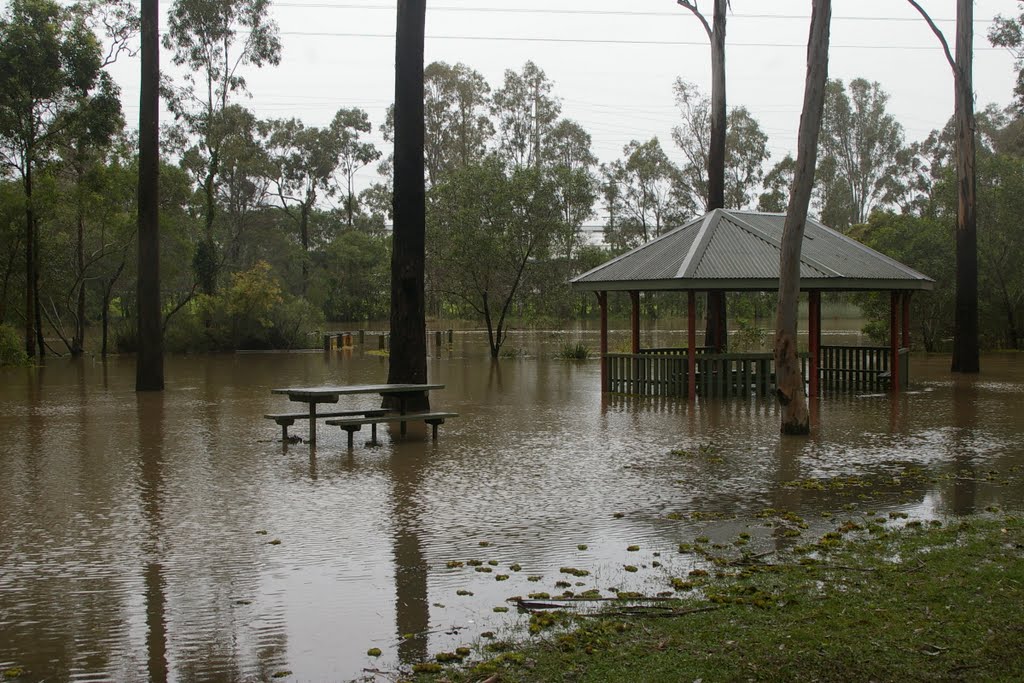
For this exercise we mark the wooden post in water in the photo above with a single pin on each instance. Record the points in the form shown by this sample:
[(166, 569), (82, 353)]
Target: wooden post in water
[(691, 344), (602, 302), (814, 337), (906, 321), (894, 347), (634, 320)]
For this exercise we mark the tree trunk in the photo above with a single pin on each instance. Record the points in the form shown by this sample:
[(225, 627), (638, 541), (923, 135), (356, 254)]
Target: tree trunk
[(78, 337), (408, 361), (716, 324), (37, 302), (965, 326), (304, 233), (788, 377), (30, 262), (965, 316), (716, 153), (149, 367)]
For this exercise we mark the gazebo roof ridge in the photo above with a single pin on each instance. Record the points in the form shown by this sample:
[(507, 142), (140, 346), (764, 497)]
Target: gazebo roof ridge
[(620, 257)]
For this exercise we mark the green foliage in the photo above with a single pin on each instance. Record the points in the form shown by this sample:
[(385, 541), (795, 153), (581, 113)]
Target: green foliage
[(526, 112), (1008, 32), (12, 347), (639, 195), (863, 161), (456, 104), (748, 336), (925, 244), (354, 280), (746, 150), (573, 351), (253, 312), (485, 227)]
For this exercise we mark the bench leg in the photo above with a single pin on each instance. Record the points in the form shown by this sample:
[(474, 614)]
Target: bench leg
[(433, 425), (351, 429), (312, 425), (402, 428), (373, 434), (285, 424)]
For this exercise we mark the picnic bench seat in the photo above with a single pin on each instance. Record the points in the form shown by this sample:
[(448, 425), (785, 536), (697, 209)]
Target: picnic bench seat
[(355, 423), (286, 420)]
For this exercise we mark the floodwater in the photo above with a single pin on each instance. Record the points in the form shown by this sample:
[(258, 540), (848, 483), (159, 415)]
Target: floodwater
[(172, 537)]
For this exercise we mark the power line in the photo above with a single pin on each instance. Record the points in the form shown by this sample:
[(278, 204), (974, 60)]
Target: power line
[(593, 12), (615, 41)]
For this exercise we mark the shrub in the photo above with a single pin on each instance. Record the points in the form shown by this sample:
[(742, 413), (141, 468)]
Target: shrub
[(573, 351), (11, 347), (253, 312)]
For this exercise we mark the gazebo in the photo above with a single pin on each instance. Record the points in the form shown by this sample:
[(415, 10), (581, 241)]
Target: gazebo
[(738, 251)]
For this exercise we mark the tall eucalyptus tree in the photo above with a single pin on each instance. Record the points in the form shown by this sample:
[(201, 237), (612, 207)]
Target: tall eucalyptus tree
[(149, 363), (788, 376), (214, 40), (408, 361), (966, 354)]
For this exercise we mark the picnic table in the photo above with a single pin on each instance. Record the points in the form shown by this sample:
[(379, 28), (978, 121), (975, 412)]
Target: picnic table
[(315, 395)]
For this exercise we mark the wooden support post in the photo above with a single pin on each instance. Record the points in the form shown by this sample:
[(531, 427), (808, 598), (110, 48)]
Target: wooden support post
[(906, 320), (814, 338), (312, 424), (691, 344), (602, 302), (894, 347), (327, 342), (362, 337), (634, 319)]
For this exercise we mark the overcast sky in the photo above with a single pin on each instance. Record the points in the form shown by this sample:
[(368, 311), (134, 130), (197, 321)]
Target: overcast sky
[(613, 62)]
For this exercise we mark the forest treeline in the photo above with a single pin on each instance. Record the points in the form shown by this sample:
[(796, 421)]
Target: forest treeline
[(264, 235)]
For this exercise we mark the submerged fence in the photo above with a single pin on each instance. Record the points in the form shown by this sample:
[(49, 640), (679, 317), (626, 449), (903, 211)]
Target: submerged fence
[(664, 372)]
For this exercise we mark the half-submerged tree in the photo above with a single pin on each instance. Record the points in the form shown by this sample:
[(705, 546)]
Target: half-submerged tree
[(149, 362), (965, 330), (788, 376), (408, 363)]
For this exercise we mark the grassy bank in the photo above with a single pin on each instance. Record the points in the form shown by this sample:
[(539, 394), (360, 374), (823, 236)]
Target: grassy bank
[(926, 602)]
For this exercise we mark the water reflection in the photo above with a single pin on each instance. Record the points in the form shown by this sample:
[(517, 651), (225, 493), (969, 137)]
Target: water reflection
[(150, 414), (412, 610), (965, 420), (171, 537)]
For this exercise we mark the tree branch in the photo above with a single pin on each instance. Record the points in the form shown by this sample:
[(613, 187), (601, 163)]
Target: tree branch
[(692, 6), (938, 34)]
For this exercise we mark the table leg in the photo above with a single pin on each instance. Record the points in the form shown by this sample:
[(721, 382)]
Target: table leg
[(312, 423)]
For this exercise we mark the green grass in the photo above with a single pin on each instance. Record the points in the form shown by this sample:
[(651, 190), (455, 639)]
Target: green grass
[(924, 603), (573, 351)]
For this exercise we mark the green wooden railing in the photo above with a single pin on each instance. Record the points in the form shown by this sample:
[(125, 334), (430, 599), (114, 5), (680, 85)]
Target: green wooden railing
[(664, 372)]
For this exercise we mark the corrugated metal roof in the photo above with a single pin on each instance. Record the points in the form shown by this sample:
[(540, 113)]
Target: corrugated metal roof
[(740, 250), (658, 259)]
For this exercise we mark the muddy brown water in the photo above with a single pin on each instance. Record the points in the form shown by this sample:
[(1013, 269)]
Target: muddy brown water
[(171, 537)]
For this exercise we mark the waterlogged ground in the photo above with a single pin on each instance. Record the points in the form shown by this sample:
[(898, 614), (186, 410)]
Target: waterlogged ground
[(171, 537)]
